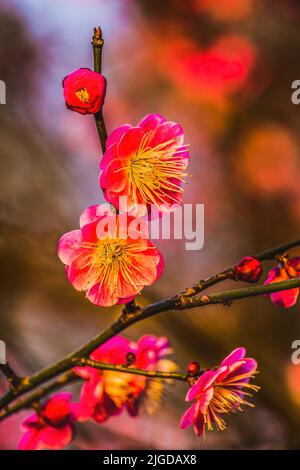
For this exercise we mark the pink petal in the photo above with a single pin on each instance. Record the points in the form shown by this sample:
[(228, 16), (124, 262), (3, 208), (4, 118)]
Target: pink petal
[(236, 355), (30, 422), (69, 246), (130, 142), (30, 440), (116, 135), (205, 381), (114, 177), (205, 399), (113, 351), (166, 132), (188, 417), (89, 215), (285, 298), (56, 438), (78, 272), (102, 295), (151, 122)]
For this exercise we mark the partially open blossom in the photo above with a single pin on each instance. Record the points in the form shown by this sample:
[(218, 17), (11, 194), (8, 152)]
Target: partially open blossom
[(108, 393), (112, 261), (52, 428), (218, 392), (84, 91), (286, 269), (146, 164), (248, 269)]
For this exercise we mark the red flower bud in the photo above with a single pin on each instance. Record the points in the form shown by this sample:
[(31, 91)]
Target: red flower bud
[(193, 368), (248, 269), (84, 91)]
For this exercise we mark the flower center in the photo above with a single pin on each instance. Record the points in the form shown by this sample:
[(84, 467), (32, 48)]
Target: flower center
[(106, 260), (156, 172), (83, 95)]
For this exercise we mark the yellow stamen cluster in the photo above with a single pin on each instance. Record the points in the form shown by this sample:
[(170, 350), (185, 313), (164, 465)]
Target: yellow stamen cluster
[(228, 397), (107, 259), (83, 95), (151, 170)]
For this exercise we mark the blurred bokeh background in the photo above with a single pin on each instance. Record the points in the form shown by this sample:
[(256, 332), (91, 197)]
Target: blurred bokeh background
[(223, 69)]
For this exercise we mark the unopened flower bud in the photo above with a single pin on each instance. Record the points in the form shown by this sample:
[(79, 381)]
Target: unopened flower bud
[(248, 269), (130, 358), (84, 91), (193, 368)]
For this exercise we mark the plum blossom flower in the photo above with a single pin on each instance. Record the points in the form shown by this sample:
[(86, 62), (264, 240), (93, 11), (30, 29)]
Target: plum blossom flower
[(108, 393), (52, 428), (84, 91), (248, 269), (218, 392), (146, 164), (110, 264), (286, 269)]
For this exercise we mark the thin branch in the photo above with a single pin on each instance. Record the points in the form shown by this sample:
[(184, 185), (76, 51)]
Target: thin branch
[(171, 303), (38, 394), (13, 379), (154, 374), (277, 250), (97, 44)]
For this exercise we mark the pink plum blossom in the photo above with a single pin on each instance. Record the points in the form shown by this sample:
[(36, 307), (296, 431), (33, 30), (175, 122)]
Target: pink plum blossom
[(287, 269), (146, 164), (111, 265), (107, 393), (218, 392), (52, 428)]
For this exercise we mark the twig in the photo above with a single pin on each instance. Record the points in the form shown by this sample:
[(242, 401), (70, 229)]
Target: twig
[(98, 43), (13, 379), (171, 303), (38, 394)]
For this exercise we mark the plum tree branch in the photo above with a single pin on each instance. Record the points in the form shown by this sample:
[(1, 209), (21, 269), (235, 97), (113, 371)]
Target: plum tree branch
[(97, 43), (177, 302)]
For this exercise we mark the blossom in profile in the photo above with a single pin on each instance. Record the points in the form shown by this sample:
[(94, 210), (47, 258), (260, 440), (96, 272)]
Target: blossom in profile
[(218, 392), (52, 428), (286, 269), (248, 269), (109, 258), (84, 91), (107, 393), (146, 164)]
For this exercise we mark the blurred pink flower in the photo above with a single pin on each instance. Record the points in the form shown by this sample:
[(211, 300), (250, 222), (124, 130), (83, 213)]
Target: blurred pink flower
[(111, 265), (287, 269), (218, 392), (84, 91), (107, 393), (212, 73), (52, 428), (146, 164)]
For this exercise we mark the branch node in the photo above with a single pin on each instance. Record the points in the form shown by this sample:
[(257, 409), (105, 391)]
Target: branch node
[(13, 379)]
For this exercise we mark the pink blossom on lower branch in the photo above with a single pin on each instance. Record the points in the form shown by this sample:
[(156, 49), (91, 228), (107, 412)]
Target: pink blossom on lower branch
[(286, 269), (52, 428), (107, 393), (109, 258), (218, 392)]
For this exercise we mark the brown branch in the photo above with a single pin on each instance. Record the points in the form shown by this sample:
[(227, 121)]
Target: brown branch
[(171, 303), (13, 379), (97, 44)]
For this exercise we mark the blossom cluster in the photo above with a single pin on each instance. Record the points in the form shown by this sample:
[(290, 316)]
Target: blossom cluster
[(107, 393), (147, 164)]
